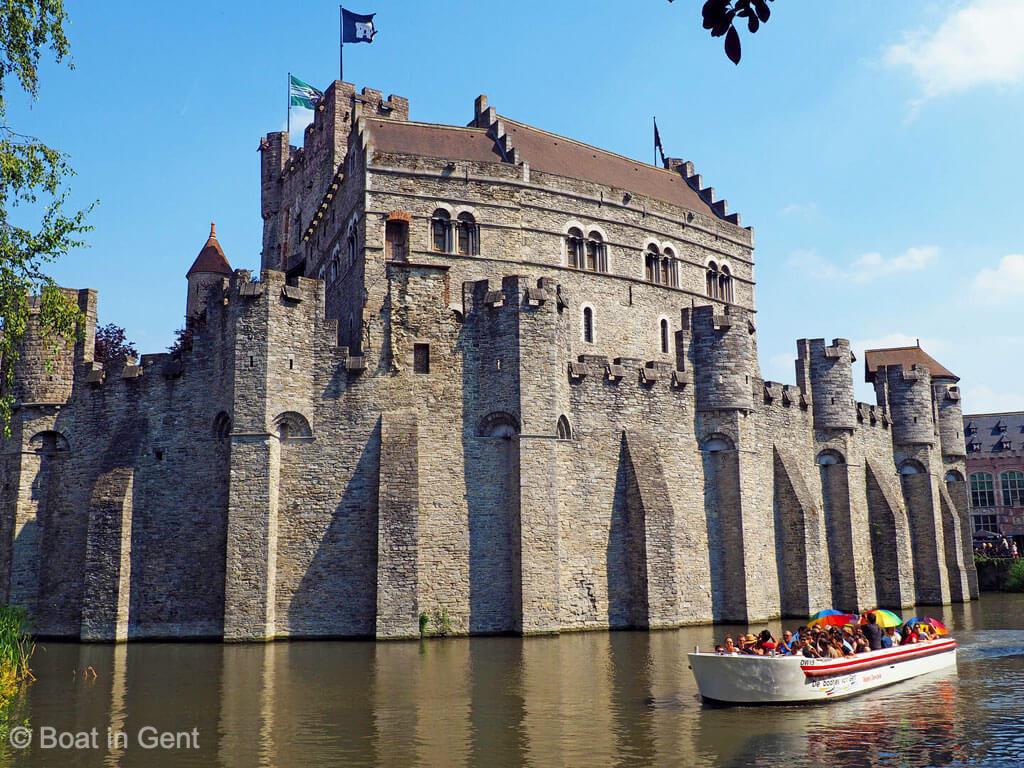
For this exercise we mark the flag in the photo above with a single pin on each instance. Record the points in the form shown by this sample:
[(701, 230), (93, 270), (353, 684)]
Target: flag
[(356, 28), (302, 94), (657, 140)]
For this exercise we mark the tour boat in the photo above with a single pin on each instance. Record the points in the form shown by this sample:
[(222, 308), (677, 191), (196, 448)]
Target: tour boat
[(743, 679)]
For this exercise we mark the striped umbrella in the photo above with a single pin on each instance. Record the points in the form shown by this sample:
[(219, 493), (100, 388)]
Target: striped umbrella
[(883, 618), (938, 626), (831, 618)]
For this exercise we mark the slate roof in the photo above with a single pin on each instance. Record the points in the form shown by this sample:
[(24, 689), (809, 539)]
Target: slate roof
[(905, 356), (211, 258), (545, 152), (994, 433)]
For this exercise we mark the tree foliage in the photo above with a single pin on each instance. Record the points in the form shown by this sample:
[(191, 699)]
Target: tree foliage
[(112, 345), (720, 18), (35, 228)]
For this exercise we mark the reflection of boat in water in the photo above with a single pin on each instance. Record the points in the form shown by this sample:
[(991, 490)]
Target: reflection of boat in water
[(742, 679)]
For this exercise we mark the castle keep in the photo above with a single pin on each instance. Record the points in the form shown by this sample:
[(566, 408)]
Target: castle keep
[(488, 373)]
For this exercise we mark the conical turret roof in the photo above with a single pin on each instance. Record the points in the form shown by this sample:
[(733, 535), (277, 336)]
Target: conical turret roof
[(211, 259)]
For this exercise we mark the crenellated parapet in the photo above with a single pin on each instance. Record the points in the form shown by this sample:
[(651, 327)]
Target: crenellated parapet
[(950, 417)]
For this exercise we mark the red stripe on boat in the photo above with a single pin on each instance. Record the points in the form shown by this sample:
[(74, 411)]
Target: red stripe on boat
[(854, 665)]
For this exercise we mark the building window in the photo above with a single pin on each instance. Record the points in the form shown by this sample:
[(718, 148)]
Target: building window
[(725, 284), (563, 430), (396, 241), (664, 336), (574, 248), (351, 246), (441, 231), (588, 325), (597, 253), (712, 280), (421, 358), (1012, 486), (652, 259), (983, 492), (468, 235), (986, 523)]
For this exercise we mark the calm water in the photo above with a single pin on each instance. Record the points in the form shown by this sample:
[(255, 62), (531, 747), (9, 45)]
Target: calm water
[(623, 698)]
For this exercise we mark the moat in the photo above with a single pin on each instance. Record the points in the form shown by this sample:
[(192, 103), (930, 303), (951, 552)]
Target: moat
[(622, 698)]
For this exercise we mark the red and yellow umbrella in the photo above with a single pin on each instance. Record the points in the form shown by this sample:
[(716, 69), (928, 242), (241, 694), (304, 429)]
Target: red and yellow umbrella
[(831, 618), (883, 618)]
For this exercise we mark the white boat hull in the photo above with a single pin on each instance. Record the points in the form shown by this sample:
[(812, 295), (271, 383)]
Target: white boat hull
[(742, 679)]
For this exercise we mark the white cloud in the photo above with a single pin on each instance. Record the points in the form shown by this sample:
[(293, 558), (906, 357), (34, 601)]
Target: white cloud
[(984, 399), (977, 44), (1005, 282), (867, 267), (802, 210), (780, 367)]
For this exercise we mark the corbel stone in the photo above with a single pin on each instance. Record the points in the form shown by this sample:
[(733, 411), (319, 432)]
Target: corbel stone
[(649, 375), (356, 363), (96, 375), (681, 378), (495, 299), (291, 293), (722, 322), (250, 290), (615, 372), (131, 372), (536, 296), (577, 370)]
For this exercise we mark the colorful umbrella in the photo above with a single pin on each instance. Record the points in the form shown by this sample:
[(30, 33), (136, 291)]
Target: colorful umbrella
[(938, 626), (883, 618), (831, 618)]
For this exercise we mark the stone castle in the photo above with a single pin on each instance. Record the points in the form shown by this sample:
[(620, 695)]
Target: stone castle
[(490, 378)]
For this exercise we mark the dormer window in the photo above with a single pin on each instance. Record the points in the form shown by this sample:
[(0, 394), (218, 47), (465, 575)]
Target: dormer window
[(970, 429)]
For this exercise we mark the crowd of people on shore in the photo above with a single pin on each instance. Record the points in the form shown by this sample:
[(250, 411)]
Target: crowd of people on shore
[(816, 642), (994, 549)]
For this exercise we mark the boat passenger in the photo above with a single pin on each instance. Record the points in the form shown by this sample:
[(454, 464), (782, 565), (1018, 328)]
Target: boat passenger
[(889, 638), (860, 643), (910, 636), (835, 649), (808, 650), (730, 646), (786, 646), (719, 650), (873, 632), (766, 642), (749, 646)]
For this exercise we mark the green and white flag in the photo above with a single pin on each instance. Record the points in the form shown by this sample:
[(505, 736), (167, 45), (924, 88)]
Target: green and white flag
[(302, 94)]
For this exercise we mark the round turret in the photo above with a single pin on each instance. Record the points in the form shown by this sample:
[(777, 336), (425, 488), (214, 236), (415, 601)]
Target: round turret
[(209, 269), (831, 379), (910, 405), (723, 359), (951, 417)]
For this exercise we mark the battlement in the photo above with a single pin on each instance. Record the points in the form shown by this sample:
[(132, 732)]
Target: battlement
[(686, 169), (719, 344), (825, 374), (907, 394)]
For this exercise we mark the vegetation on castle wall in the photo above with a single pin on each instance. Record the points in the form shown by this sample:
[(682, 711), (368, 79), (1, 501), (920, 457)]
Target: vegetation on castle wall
[(435, 624), (32, 185), (112, 345), (16, 649)]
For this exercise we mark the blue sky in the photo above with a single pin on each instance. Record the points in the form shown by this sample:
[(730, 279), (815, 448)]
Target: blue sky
[(874, 146)]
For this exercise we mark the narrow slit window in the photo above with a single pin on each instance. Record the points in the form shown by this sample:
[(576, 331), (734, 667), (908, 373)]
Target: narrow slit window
[(588, 325)]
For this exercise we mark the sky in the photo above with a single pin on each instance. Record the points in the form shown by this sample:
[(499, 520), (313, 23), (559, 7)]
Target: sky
[(874, 146)]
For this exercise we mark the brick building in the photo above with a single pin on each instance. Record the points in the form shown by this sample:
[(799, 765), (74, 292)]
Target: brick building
[(486, 373), (995, 466)]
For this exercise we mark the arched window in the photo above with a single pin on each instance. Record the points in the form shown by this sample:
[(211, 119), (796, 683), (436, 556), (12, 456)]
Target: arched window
[(664, 336), (829, 456), (725, 284), (222, 426), (954, 476), (911, 467), (670, 269), (292, 426), (574, 248), (562, 429), (588, 325), (469, 235), (652, 260), (48, 443), (351, 246), (712, 280), (441, 231), (983, 492), (597, 255), (716, 442), (498, 424), (1012, 486)]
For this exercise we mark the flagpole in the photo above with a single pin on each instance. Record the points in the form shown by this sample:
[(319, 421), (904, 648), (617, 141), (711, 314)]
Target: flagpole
[(341, 43), (289, 103), (655, 140)]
